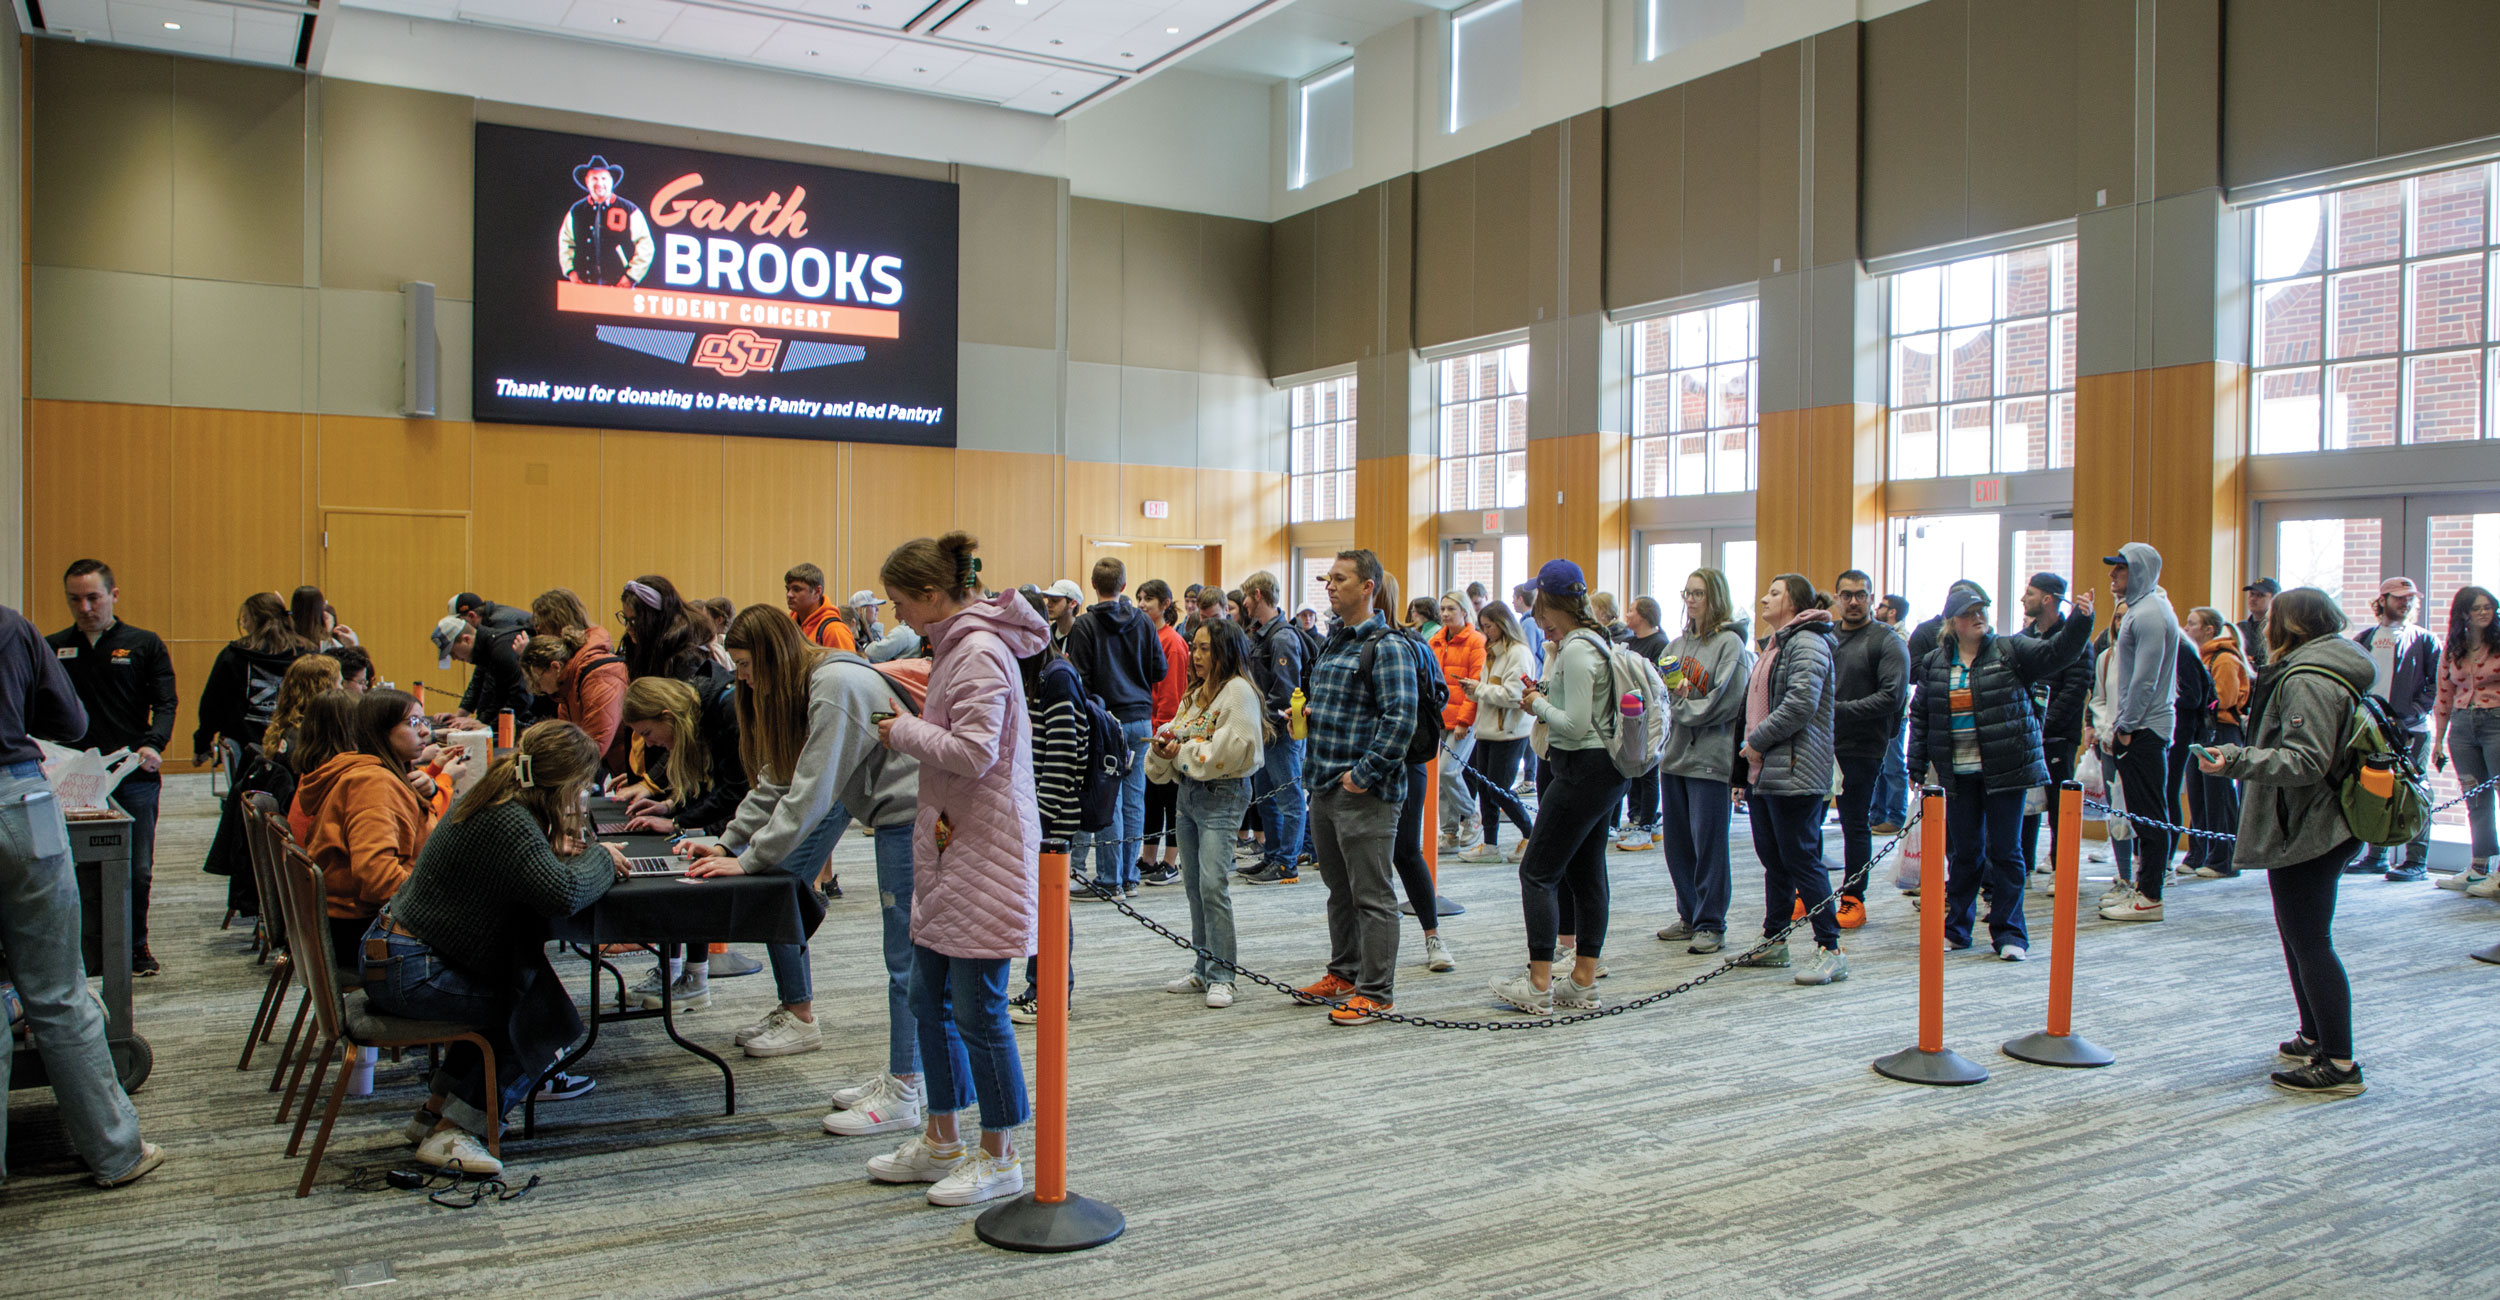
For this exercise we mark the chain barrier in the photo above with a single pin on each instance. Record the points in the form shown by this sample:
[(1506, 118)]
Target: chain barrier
[(2156, 822), (1544, 1022)]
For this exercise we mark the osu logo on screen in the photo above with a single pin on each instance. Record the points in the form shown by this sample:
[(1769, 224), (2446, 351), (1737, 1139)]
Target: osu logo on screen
[(736, 352)]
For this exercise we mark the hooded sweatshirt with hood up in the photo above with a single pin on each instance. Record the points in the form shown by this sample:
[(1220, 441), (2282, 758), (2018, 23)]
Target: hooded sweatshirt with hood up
[(1114, 648), (2147, 649)]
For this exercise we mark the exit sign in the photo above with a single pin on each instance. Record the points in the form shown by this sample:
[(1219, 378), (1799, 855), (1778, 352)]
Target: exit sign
[(1492, 521), (1158, 510), (1987, 493)]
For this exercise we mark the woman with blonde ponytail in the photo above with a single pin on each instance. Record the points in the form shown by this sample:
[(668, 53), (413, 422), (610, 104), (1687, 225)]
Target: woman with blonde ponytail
[(464, 938)]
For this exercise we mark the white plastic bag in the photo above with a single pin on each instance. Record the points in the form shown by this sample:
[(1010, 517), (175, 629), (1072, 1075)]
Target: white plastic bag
[(1912, 864), (84, 780), (2088, 775)]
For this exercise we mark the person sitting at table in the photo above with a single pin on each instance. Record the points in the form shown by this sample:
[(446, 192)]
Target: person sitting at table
[(464, 938), (974, 891), (574, 676), (697, 780), (803, 732), (363, 822)]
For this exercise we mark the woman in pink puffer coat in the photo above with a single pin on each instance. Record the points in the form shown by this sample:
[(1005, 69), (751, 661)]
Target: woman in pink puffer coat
[(975, 888)]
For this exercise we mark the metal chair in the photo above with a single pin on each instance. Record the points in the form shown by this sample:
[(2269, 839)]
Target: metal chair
[(344, 1023)]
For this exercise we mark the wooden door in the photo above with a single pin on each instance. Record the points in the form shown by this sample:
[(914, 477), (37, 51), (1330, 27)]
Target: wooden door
[(392, 575)]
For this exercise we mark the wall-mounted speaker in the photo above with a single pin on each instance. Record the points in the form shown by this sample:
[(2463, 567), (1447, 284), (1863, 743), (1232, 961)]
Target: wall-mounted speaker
[(416, 348)]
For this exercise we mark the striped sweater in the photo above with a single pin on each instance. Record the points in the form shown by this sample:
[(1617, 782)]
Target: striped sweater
[(1058, 751)]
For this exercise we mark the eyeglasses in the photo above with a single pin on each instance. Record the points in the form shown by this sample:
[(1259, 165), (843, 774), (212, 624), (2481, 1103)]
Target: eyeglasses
[(1691, 593), (1849, 595)]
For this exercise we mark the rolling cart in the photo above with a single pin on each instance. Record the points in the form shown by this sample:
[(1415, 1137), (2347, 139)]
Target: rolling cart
[(99, 850)]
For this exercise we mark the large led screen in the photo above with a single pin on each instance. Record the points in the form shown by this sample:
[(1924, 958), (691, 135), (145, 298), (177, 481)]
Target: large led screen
[(634, 286)]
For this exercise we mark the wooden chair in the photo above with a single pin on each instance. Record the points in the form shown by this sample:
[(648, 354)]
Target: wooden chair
[(263, 838), (344, 1023)]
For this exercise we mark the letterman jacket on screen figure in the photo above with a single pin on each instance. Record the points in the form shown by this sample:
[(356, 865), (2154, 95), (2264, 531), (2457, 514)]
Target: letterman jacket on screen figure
[(605, 239)]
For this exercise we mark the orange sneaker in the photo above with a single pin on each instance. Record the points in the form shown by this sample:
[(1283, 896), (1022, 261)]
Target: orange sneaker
[(1852, 913), (1329, 989), (1356, 1010)]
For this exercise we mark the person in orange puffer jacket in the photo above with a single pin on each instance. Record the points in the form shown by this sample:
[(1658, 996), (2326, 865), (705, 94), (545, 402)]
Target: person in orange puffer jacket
[(2214, 801), (1460, 648)]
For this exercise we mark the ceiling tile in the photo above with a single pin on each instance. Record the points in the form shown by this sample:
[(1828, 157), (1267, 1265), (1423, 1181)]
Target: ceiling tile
[(535, 13), (718, 32), (815, 49), (78, 18), (632, 20), (266, 37)]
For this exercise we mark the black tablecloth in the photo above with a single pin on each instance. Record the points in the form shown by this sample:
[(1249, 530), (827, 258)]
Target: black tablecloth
[(767, 908)]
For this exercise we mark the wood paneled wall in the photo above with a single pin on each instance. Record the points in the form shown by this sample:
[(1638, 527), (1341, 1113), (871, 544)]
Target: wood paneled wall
[(2159, 456), (1587, 526), (1393, 517), (1821, 506), (195, 509)]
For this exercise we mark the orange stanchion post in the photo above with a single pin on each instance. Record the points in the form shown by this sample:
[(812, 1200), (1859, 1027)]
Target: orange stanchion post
[(1930, 1061), (2059, 1044), (1050, 1219)]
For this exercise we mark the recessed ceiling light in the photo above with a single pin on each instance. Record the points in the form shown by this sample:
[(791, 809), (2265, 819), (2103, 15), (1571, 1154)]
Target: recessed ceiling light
[(173, 27), (982, 28), (1056, 41), (618, 21), (1126, 55), (1171, 31), (1055, 92), (920, 69), (811, 54)]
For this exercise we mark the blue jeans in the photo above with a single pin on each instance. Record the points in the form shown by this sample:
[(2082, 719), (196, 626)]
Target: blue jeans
[(1693, 832), (793, 980), (1210, 816), (416, 983), (138, 798), (902, 1029), (39, 927), (1983, 851), (1892, 786), (1125, 839), (965, 1039), (2474, 746)]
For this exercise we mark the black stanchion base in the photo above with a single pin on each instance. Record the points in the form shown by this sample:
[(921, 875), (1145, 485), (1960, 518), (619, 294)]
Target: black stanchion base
[(2071, 1051), (2490, 954), (1944, 1069), (1077, 1223), (1440, 906)]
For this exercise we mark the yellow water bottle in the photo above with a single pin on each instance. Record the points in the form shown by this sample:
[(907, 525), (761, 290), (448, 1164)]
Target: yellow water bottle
[(1301, 720)]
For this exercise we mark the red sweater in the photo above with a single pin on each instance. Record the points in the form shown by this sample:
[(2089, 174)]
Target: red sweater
[(1167, 693)]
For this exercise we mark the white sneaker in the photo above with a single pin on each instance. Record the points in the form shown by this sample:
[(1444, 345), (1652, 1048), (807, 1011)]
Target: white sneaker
[(1470, 833), (914, 1162), (458, 1150), (891, 1108), (2134, 907), (1189, 983), (1569, 995), (1634, 841), (980, 1177), (1564, 956), (2484, 886), (2459, 880), (1220, 995), (691, 992), (1437, 954), (1449, 840), (1520, 992), (2013, 952), (845, 1098), (2119, 891), (1519, 851), (756, 1030), (788, 1038), (1482, 852), (1829, 966)]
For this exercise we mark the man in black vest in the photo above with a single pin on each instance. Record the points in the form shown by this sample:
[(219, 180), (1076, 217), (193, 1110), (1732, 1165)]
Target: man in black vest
[(125, 679)]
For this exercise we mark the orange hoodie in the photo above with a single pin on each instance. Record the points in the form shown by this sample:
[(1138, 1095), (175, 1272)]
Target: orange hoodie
[(825, 626), (366, 826), (1462, 660), (2229, 669)]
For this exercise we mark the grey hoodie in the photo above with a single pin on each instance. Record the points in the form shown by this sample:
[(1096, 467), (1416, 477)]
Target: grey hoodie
[(2293, 812), (2147, 649), (1698, 741), (841, 763)]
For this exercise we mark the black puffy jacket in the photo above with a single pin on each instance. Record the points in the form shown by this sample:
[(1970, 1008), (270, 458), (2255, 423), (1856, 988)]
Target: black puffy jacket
[(2001, 677)]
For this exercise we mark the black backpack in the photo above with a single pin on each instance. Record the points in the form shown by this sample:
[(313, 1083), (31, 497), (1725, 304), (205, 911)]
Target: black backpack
[(1107, 756), (1432, 694), (2196, 686)]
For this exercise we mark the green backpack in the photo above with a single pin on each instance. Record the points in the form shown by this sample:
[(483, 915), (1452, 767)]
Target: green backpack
[(2385, 798)]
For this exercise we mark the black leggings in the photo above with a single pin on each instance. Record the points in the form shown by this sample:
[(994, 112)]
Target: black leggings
[(1162, 817), (1491, 772), (1408, 854), (2304, 912), (1569, 853)]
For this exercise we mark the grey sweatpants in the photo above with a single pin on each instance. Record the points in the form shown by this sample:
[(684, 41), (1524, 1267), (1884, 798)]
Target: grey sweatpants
[(1351, 837)]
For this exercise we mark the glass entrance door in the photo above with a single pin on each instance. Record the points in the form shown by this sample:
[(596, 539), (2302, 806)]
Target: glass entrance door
[(1499, 562), (1999, 551), (1667, 556)]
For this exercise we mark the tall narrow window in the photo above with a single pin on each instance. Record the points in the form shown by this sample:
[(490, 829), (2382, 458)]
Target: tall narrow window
[(1483, 421), (1983, 364), (1484, 61), (1693, 410), (1323, 138), (1320, 417), (2371, 320)]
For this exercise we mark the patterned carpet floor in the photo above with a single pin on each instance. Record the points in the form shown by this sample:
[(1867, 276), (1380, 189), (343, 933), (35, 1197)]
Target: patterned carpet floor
[(1729, 1142)]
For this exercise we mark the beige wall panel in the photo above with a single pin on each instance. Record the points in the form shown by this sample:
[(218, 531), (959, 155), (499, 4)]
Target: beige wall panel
[(1445, 253), (913, 491), (2300, 89), (1507, 293), (774, 497), (1916, 101), (2022, 114), (1009, 285), (1293, 286), (1723, 178), (239, 139), (238, 499), (130, 527), (1093, 510), (1011, 501), (1781, 77), (397, 178), (1177, 486), (2435, 84), (393, 464), (1247, 509), (659, 511), (1349, 278), (2104, 102), (1645, 199), (1837, 55), (100, 169), (359, 352), (1232, 297), (538, 516), (1095, 293), (191, 663), (1160, 300), (100, 336), (237, 345)]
